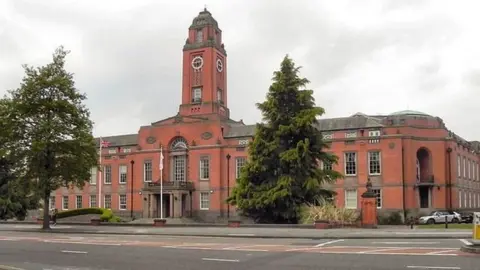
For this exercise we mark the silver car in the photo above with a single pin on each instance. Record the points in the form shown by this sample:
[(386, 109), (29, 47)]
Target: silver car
[(440, 217)]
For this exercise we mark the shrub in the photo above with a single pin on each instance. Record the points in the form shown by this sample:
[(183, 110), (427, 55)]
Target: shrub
[(79, 212), (393, 218), (106, 215), (328, 211)]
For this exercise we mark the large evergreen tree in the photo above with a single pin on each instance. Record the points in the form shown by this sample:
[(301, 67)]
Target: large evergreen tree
[(282, 173), (49, 130)]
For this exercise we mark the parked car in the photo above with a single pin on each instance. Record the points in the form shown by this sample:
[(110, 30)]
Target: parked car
[(440, 217), (466, 217)]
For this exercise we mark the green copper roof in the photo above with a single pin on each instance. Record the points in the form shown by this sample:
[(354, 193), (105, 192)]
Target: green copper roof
[(410, 112)]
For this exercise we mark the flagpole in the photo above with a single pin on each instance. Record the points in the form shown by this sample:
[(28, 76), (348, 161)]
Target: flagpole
[(161, 182), (100, 177)]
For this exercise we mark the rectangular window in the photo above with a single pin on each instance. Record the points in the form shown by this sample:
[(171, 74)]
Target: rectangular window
[(219, 96), (468, 168), (327, 166), (204, 168), (460, 205), (378, 196), (93, 176), (79, 201), (52, 202), (126, 150), (179, 165), (459, 166), (204, 200), (374, 163), (199, 36), (122, 174), (147, 171), (197, 95), (351, 163), (464, 167), (93, 201), (327, 136), (239, 164), (351, 198), (107, 200), (122, 202), (478, 176), (472, 168), (65, 203), (351, 134), (374, 133), (112, 151), (107, 174), (464, 199)]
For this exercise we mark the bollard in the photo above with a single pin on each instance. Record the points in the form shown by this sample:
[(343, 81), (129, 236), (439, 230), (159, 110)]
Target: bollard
[(446, 222), (411, 223)]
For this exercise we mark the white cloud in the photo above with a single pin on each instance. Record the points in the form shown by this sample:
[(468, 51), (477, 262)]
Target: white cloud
[(370, 56)]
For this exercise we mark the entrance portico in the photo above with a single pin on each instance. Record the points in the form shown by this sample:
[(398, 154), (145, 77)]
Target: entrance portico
[(177, 199)]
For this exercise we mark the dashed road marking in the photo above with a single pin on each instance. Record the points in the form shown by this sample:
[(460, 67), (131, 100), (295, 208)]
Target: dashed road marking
[(74, 251), (329, 242), (219, 260)]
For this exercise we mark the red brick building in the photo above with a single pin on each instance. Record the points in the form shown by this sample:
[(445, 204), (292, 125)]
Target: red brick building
[(412, 159)]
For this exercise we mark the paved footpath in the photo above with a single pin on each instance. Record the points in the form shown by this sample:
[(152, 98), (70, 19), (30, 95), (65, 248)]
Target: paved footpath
[(33, 250), (299, 233)]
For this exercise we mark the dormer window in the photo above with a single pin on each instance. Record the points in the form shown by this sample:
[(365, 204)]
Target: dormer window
[(197, 95), (199, 36), (374, 133)]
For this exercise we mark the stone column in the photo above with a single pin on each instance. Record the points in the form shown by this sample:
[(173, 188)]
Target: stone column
[(369, 207)]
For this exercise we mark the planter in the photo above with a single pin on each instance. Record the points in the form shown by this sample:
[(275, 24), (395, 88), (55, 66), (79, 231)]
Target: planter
[(321, 224), (95, 221), (159, 222), (234, 223)]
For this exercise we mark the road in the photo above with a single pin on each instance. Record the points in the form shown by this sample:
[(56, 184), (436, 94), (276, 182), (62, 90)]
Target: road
[(37, 251), (399, 232)]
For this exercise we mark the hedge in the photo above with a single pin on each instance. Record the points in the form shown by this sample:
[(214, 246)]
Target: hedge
[(105, 214)]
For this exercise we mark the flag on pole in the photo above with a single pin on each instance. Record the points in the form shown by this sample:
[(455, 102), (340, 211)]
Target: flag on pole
[(161, 158), (104, 143)]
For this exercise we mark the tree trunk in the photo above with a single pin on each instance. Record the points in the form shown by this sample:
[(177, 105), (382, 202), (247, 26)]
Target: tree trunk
[(46, 212)]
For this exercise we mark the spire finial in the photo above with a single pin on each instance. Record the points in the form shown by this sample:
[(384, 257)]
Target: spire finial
[(205, 8)]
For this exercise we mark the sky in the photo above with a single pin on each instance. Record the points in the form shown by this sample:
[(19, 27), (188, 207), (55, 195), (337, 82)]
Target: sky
[(375, 57)]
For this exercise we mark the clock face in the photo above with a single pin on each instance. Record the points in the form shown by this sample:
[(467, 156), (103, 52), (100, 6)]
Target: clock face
[(197, 62), (219, 65)]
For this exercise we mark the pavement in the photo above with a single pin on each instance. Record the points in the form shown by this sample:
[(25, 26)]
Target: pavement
[(34, 251), (400, 232)]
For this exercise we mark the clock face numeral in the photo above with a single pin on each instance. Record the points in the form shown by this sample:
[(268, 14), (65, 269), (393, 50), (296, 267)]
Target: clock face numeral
[(197, 62), (219, 65)]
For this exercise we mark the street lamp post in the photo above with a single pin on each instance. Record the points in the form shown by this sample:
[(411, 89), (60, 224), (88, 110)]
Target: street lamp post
[(131, 189), (228, 184)]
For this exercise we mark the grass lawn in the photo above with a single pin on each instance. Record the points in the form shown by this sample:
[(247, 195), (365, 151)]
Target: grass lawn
[(450, 226)]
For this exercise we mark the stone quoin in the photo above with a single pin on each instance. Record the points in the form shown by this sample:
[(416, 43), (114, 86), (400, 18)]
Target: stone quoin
[(412, 159)]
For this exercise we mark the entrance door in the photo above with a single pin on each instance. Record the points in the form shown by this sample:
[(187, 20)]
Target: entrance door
[(424, 193), (166, 206)]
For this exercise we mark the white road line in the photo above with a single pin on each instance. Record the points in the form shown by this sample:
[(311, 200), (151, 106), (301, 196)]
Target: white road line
[(80, 243), (466, 242), (241, 234), (329, 242), (406, 243), (219, 260), (74, 251), (380, 250), (432, 267), (440, 252)]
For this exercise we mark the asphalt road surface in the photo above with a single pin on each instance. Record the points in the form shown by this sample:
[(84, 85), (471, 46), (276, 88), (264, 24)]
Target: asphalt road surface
[(40, 251)]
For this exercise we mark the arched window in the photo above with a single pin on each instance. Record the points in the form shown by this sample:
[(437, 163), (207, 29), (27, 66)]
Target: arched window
[(179, 144), (179, 147)]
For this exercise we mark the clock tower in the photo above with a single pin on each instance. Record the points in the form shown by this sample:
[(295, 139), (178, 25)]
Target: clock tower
[(204, 78)]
